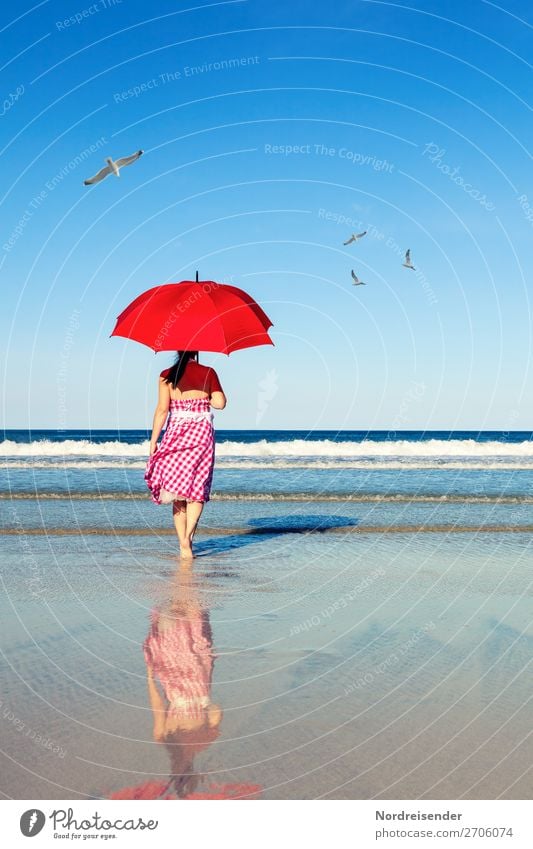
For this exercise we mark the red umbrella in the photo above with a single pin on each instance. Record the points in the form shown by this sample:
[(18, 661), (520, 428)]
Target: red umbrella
[(195, 316)]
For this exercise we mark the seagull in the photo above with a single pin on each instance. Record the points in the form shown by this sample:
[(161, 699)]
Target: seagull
[(408, 263), (354, 237), (113, 167), (356, 281)]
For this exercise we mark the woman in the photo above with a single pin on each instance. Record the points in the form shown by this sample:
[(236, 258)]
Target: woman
[(180, 469)]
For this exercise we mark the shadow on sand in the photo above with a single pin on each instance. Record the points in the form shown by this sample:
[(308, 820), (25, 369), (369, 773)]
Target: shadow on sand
[(257, 530)]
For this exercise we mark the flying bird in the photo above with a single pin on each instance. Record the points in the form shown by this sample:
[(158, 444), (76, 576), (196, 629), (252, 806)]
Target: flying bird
[(408, 263), (355, 237), (113, 167), (356, 281)]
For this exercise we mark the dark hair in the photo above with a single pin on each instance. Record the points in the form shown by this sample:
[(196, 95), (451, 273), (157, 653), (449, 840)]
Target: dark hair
[(175, 372), (183, 746)]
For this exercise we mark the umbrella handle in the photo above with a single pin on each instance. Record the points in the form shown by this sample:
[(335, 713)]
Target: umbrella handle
[(198, 356)]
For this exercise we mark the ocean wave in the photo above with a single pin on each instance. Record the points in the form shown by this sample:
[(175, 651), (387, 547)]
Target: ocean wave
[(296, 448), (333, 497), (377, 464), (72, 447), (273, 530), (369, 448)]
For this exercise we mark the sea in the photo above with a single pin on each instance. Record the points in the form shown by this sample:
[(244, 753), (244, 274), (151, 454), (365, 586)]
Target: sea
[(467, 475), (413, 467)]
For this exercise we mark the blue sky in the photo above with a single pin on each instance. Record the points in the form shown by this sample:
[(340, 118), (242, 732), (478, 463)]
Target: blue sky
[(271, 131)]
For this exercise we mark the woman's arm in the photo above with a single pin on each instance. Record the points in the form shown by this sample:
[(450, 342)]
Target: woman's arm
[(158, 706), (161, 413), (218, 400), (216, 395)]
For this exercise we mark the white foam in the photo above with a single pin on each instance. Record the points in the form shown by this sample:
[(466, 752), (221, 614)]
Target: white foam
[(370, 448), (377, 464), (296, 448), (72, 447)]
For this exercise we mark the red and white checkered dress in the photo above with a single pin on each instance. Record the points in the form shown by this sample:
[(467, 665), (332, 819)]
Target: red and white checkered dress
[(181, 469), (180, 652)]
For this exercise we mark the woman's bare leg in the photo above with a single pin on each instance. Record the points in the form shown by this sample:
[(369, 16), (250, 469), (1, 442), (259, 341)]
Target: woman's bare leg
[(179, 514), (194, 511)]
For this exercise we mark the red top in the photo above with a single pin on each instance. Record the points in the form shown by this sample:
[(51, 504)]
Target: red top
[(195, 376)]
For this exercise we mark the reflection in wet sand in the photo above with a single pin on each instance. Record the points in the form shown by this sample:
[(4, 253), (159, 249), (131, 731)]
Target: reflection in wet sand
[(347, 668), (179, 656)]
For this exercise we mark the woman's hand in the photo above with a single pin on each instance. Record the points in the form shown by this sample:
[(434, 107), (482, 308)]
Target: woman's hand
[(153, 447)]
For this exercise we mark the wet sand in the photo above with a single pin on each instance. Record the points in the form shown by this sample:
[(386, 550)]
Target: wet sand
[(282, 665)]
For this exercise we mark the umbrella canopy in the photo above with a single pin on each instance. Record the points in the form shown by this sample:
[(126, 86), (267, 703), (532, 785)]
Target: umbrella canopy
[(195, 316)]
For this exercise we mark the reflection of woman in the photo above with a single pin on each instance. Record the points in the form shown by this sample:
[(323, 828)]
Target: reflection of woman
[(180, 469), (179, 653)]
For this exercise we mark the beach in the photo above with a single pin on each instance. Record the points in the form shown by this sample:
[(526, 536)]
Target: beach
[(360, 612)]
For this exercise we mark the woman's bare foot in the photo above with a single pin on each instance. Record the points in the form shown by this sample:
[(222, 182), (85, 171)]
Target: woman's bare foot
[(186, 549)]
